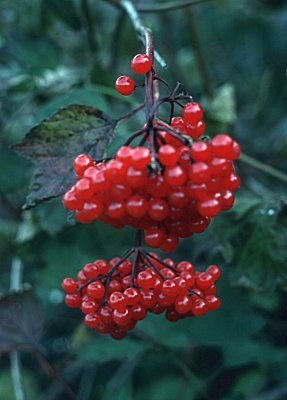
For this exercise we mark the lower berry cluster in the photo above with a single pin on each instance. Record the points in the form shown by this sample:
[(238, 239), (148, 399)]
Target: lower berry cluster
[(114, 295)]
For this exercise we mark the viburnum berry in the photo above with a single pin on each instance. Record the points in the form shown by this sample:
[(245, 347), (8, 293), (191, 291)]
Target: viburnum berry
[(69, 285), (141, 64), (81, 163), (192, 113), (125, 85), (168, 155)]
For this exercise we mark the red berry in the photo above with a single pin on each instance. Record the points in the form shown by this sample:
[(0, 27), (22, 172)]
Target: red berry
[(210, 207), (192, 113), (132, 296), (122, 317), (204, 280), (170, 243), (195, 131), (84, 189), (71, 201), (212, 302), (175, 176), (198, 307), (182, 304), (141, 158), (141, 64), (158, 209), (96, 290), (125, 85), (136, 206), (222, 146), (178, 124), (81, 163), (214, 271), (170, 288), (199, 172), (118, 301), (168, 155), (69, 285), (154, 237), (145, 280), (73, 300), (88, 306), (200, 151), (138, 312), (92, 320)]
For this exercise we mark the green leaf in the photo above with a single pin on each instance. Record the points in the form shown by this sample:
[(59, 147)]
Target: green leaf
[(53, 144), (21, 321), (102, 349)]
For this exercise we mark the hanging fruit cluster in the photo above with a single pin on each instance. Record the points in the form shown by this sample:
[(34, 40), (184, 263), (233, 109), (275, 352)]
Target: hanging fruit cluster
[(168, 186), (114, 295)]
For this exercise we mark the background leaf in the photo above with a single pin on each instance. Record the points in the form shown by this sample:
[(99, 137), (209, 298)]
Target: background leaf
[(53, 145)]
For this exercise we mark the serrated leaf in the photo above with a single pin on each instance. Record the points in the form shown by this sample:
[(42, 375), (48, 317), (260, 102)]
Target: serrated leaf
[(55, 142), (21, 321)]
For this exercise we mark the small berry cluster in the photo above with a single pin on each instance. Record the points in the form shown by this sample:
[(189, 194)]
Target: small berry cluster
[(114, 295), (170, 194), (141, 64)]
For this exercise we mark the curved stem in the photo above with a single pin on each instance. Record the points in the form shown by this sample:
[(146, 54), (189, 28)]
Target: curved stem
[(170, 6), (267, 169), (130, 114)]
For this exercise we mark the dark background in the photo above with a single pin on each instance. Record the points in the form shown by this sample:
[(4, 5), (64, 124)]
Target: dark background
[(231, 55)]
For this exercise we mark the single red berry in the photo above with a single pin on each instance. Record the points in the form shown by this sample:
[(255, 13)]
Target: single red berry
[(198, 307), (69, 285), (204, 280), (118, 301), (136, 206), (200, 151), (209, 207), (158, 209), (116, 209), (168, 155), (214, 271), (195, 131), (145, 280), (92, 320), (84, 189), (157, 186), (136, 178), (192, 113), (88, 306), (212, 302), (73, 300), (122, 317), (178, 124), (154, 237), (197, 191), (71, 201), (175, 176), (231, 183), (81, 163), (235, 153), (178, 197), (227, 200), (141, 158), (132, 295), (125, 85), (199, 172), (222, 146), (141, 64), (182, 304), (96, 290), (148, 299), (138, 312), (124, 154), (170, 243), (170, 288)]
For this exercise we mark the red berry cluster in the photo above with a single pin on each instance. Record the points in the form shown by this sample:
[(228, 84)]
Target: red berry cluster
[(114, 295), (171, 193), (141, 64)]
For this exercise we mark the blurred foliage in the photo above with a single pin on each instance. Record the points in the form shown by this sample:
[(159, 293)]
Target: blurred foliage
[(53, 54)]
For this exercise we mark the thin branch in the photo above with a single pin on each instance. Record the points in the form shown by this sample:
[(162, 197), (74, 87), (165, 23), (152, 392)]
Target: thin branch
[(139, 26), (201, 59), (90, 24), (267, 169), (170, 6), (15, 362)]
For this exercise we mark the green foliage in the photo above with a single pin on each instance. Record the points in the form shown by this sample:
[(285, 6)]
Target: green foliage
[(48, 61), (54, 143)]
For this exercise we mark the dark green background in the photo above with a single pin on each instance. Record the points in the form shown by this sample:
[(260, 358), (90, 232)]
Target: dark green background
[(53, 53)]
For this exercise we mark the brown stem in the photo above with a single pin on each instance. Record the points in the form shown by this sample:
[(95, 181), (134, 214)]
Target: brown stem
[(55, 375)]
